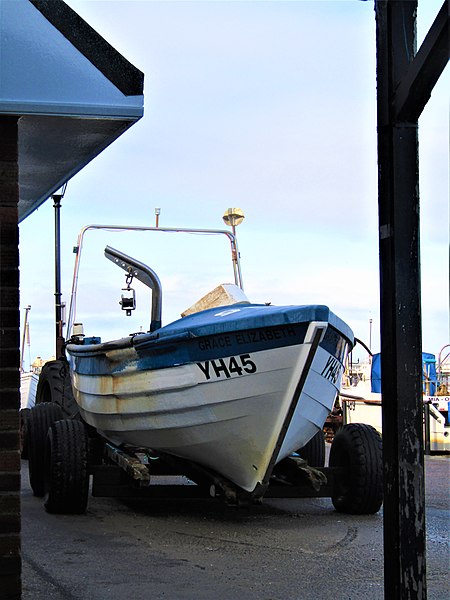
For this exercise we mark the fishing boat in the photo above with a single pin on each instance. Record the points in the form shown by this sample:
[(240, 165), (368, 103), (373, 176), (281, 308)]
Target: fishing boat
[(229, 400), (232, 386)]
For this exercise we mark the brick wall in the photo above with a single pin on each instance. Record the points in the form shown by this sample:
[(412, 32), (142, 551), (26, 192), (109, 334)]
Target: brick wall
[(10, 556)]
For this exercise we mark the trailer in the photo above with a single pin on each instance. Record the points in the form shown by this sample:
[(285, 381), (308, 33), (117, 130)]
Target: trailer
[(68, 460)]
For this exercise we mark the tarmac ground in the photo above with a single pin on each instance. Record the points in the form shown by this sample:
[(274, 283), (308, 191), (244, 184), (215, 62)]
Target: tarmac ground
[(285, 549)]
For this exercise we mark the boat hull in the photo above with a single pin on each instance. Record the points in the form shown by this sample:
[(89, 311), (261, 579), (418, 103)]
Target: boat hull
[(238, 402), (28, 387)]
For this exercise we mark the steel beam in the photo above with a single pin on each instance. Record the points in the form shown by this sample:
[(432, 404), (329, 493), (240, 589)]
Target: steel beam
[(424, 71), (401, 337)]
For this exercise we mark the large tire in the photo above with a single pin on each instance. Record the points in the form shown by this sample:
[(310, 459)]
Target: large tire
[(66, 473), (314, 451), (23, 432), (39, 420), (54, 386), (357, 448)]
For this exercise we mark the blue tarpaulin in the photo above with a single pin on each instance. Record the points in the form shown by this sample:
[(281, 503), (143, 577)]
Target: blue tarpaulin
[(375, 375), (428, 373)]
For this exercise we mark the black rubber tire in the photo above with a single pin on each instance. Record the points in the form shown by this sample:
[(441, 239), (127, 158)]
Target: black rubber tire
[(314, 451), (66, 468), (54, 386), (40, 418), (357, 448), (23, 432)]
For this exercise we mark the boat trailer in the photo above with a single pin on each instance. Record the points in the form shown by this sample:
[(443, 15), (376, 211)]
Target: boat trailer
[(138, 473), (64, 453)]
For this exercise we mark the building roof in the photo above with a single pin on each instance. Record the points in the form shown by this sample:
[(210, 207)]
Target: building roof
[(74, 92)]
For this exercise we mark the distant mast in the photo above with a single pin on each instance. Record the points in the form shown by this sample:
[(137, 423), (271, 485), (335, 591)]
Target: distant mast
[(25, 336)]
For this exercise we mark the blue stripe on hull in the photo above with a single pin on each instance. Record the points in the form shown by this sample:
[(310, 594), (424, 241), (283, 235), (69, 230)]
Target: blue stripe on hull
[(197, 349), (214, 334)]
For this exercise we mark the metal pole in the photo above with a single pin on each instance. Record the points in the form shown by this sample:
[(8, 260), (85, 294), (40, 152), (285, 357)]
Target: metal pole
[(77, 250), (427, 429), (25, 325), (59, 340), (233, 217)]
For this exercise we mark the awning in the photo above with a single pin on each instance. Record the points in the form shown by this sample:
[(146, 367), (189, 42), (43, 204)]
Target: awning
[(74, 93)]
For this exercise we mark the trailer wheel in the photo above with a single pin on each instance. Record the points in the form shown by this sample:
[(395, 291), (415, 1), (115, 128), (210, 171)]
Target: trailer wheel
[(66, 468), (23, 432), (54, 386), (39, 420), (314, 451), (357, 448)]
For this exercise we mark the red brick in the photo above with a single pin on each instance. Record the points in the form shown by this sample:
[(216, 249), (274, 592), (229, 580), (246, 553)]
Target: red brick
[(10, 420), (10, 502), (10, 378), (9, 482), (9, 338), (11, 587), (9, 358), (9, 440), (9, 399), (9, 295), (9, 523), (10, 565), (9, 316), (10, 461), (10, 545)]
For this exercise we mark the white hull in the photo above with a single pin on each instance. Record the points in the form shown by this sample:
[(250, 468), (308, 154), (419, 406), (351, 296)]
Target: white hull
[(28, 387), (227, 415)]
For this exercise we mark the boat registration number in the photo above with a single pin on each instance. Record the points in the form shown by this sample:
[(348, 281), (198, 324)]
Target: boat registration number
[(332, 370), (227, 367)]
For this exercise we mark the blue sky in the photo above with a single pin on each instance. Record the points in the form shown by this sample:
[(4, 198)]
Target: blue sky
[(268, 106)]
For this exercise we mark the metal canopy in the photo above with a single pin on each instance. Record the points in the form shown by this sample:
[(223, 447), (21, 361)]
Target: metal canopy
[(73, 92)]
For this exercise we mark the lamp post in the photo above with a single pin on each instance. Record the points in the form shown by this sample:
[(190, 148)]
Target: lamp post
[(59, 322)]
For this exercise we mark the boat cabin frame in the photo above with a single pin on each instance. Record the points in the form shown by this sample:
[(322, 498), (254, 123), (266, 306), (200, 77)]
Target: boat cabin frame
[(142, 272)]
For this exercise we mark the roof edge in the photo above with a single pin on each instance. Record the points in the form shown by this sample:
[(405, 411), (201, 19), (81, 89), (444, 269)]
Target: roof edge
[(125, 76)]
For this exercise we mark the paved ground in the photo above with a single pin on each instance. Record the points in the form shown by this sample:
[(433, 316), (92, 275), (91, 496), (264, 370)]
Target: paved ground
[(289, 549)]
